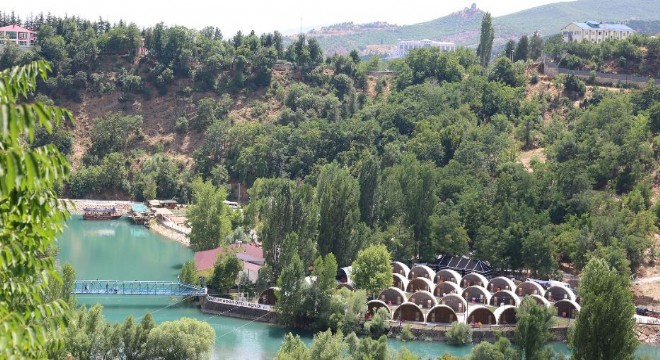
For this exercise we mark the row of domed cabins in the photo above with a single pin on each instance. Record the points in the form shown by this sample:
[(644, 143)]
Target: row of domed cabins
[(422, 295)]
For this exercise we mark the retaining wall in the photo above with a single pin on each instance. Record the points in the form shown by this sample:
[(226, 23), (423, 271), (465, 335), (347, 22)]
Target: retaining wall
[(240, 312), (438, 333), (552, 70)]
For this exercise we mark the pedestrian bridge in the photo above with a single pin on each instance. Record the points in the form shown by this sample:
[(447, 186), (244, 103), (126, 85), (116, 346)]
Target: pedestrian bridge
[(136, 287)]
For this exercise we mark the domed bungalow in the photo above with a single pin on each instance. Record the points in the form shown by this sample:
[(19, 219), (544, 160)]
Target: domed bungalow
[(424, 299), (399, 281), (441, 314), (472, 279), (529, 288), (540, 300), (506, 314), (268, 296), (481, 314), (400, 268), (392, 296), (567, 308), (558, 292), (374, 305), (454, 301), (504, 297), (476, 294), (344, 275), (408, 312), (500, 283), (447, 275), (348, 286), (445, 288), (420, 283), (421, 271)]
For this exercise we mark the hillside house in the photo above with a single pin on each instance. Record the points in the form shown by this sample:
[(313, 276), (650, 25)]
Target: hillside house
[(251, 257), (595, 31), (403, 47), (20, 36)]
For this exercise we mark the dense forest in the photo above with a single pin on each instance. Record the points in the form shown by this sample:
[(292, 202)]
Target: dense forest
[(349, 166), (425, 162)]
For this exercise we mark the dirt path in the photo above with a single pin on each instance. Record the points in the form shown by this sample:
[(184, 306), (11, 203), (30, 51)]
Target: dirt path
[(646, 280)]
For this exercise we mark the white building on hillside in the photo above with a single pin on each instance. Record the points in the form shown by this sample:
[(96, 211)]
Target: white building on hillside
[(595, 31), (404, 47)]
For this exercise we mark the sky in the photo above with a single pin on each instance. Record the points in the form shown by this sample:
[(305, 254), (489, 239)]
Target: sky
[(263, 15)]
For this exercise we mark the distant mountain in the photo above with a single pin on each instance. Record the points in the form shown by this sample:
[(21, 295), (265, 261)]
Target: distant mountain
[(350, 28), (549, 19), (456, 27), (648, 27), (463, 27)]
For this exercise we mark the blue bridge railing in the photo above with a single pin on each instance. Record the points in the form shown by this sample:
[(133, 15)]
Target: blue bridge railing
[(136, 287)]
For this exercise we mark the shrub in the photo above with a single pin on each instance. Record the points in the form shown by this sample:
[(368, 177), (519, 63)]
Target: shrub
[(574, 84), (459, 334), (534, 79), (378, 324), (181, 125), (130, 83), (406, 333)]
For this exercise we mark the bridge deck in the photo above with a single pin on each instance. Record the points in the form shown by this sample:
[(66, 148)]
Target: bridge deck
[(117, 287)]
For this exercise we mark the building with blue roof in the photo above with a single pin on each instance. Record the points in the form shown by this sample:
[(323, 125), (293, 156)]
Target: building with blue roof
[(595, 31)]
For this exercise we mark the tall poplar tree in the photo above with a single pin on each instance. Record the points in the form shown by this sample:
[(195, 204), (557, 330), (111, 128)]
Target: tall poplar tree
[(284, 208), (208, 216), (369, 179), (338, 195), (522, 50), (605, 326), (535, 46), (291, 293), (486, 40), (533, 329)]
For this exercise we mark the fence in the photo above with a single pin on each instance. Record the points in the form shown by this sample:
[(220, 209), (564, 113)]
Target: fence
[(647, 320), (551, 70), (178, 228)]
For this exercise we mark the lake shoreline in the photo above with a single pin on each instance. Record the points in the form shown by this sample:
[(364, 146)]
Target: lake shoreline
[(76, 206)]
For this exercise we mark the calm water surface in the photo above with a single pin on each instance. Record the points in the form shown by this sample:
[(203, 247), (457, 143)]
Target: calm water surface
[(118, 250)]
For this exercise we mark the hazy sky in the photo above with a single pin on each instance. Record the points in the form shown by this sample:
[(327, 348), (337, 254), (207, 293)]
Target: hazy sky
[(263, 15)]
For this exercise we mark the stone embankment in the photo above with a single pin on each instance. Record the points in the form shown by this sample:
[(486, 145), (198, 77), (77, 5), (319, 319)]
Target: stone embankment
[(438, 333), (169, 233), (648, 334)]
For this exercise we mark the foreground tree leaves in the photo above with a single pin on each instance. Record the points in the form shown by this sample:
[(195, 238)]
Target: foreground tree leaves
[(30, 217)]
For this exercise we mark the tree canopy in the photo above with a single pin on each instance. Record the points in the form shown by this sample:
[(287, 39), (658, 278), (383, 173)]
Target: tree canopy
[(208, 216), (371, 270), (605, 325)]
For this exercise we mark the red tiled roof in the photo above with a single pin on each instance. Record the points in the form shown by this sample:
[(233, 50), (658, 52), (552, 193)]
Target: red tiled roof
[(16, 28), (246, 252)]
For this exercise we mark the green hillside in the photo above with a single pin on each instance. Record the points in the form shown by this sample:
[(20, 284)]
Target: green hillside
[(459, 27), (548, 19), (463, 27)]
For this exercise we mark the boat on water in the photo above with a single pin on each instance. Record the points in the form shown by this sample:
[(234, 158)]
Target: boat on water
[(101, 213), (139, 214)]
